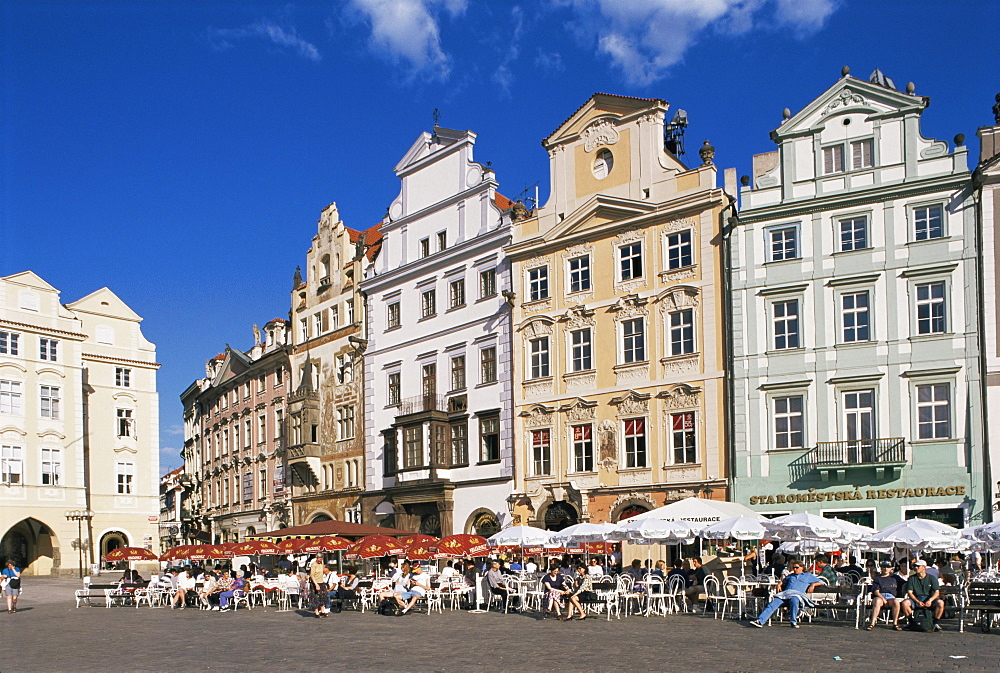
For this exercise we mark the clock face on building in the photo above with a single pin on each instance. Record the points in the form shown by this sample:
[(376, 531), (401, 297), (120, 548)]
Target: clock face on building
[(602, 164)]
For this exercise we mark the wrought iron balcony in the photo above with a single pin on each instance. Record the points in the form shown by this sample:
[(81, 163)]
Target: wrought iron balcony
[(837, 457), (421, 403)]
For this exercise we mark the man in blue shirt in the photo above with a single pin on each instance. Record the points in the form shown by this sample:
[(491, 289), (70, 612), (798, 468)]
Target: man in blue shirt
[(793, 591)]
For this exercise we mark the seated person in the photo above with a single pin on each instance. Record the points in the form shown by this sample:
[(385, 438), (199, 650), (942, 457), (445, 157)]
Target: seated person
[(224, 587), (852, 569), (418, 588), (887, 589), (696, 585), (554, 585), (678, 571), (923, 591), (496, 582), (795, 589), (635, 570), (208, 590), (583, 588), (777, 565), (515, 566), (348, 587), (595, 569), (185, 582), (448, 572), (659, 570), (332, 586), (826, 571), (531, 566)]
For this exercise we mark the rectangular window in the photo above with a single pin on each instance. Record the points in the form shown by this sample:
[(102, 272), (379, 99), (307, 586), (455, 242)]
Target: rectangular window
[(630, 261), (541, 452), (8, 343), (51, 467), (458, 372), (489, 435), (414, 446), (931, 308), (784, 243), (788, 423), (428, 304), (225, 491), (392, 315), (262, 483), (859, 426), (425, 247), (633, 341), (934, 411), (862, 153), (125, 471), (456, 293), (345, 422), (460, 444), (49, 402), (261, 429), (854, 234), (442, 240), (928, 222), (278, 373), (682, 332), (303, 329), (635, 442), (684, 438), (247, 486), (279, 424), (583, 448), (856, 317), (833, 159), (487, 283), (428, 380), (582, 352), (395, 389), (349, 310), (785, 319), (539, 357), (10, 398), (318, 323), (579, 274), (247, 433), (488, 364), (538, 283), (48, 349), (335, 317), (126, 427), (389, 458), (679, 251), (11, 464)]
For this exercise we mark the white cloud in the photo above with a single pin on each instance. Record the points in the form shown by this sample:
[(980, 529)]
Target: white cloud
[(408, 31), (170, 459), (503, 76), (549, 61), (644, 38), (270, 31)]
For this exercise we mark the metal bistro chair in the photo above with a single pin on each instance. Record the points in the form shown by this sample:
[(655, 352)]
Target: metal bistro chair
[(626, 593), (675, 590), (241, 596), (656, 596)]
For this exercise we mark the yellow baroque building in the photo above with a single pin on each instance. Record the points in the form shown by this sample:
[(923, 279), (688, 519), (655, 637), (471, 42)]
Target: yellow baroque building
[(619, 316)]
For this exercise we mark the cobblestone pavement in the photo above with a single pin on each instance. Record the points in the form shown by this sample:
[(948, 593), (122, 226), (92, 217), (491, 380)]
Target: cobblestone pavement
[(49, 634)]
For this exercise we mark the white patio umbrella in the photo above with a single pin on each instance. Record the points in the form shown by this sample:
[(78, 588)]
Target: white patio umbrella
[(803, 526), (653, 530), (734, 528), (988, 532), (808, 547), (584, 532), (852, 531), (917, 534), (520, 536)]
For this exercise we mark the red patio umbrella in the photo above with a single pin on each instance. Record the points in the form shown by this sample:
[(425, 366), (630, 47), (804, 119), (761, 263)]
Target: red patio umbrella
[(130, 554), (373, 546), (194, 552), (463, 544), (254, 548), (417, 538), (419, 552), (325, 543), (291, 545)]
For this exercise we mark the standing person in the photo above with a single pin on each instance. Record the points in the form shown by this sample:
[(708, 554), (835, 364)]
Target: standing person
[(319, 599), (795, 589), (11, 586)]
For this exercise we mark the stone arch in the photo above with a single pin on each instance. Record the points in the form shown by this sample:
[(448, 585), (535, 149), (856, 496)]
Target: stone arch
[(320, 515), (111, 540), (33, 546), (630, 504), (483, 522), (559, 514)]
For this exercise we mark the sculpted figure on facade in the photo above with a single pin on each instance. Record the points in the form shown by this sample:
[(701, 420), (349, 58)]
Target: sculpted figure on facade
[(601, 132)]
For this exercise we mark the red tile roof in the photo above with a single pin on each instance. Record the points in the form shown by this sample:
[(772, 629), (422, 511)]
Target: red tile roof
[(220, 356), (273, 320), (502, 202)]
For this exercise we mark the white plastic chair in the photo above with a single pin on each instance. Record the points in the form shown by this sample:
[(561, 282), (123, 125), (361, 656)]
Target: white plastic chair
[(241, 596), (656, 597)]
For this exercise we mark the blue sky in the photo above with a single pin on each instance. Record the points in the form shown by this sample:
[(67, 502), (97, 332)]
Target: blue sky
[(180, 152)]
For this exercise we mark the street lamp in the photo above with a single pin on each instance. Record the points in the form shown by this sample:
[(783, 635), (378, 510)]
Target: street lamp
[(79, 515)]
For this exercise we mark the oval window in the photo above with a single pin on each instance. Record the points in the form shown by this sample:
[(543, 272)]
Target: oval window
[(603, 164)]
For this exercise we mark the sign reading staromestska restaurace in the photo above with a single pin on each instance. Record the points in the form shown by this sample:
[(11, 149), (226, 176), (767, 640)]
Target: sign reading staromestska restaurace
[(857, 494)]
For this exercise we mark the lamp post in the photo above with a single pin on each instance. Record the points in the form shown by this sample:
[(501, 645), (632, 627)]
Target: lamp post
[(79, 515)]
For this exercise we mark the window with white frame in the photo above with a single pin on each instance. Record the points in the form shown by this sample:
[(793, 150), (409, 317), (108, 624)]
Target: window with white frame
[(583, 448), (928, 222), (247, 433), (679, 250), (428, 304), (539, 358), (579, 274), (785, 324), (862, 153), (11, 464), (855, 316), (51, 466), (789, 426), (682, 332), (931, 308), (635, 442), (278, 374), (783, 243), (442, 240), (460, 443), (425, 247), (123, 377), (859, 415), (126, 424), (487, 283), (854, 233), (456, 293), (458, 372), (394, 385), (279, 424), (9, 343), (392, 315), (125, 472), (48, 349), (352, 514), (538, 283), (345, 422), (833, 159), (581, 351), (413, 446), (934, 411), (633, 341), (488, 365), (541, 452), (303, 329), (262, 482), (349, 311), (630, 260), (262, 428), (335, 317), (10, 398), (318, 326), (684, 438), (48, 402), (489, 438)]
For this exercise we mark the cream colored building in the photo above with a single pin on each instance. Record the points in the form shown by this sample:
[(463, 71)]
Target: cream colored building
[(79, 427), (618, 324)]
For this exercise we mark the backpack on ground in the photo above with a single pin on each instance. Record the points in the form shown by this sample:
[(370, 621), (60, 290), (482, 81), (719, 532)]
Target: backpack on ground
[(923, 620), (389, 607)]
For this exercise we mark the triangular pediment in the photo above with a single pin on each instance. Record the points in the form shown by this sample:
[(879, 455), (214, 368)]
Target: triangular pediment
[(602, 105), (235, 364), (106, 303), (849, 94), (30, 279), (600, 211), (427, 144)]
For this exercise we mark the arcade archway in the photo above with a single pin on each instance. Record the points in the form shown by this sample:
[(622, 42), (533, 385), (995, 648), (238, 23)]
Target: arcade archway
[(33, 546)]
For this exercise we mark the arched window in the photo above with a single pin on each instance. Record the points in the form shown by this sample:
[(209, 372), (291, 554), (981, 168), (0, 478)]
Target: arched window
[(324, 270)]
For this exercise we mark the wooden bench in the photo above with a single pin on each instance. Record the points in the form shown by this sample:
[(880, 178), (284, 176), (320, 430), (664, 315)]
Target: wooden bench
[(111, 593), (984, 600)]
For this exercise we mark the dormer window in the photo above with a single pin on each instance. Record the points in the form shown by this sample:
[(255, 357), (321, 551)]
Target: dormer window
[(862, 153), (862, 156), (833, 159)]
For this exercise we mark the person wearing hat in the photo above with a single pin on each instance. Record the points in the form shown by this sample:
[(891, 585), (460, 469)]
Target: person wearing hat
[(923, 591), (418, 588), (887, 589)]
